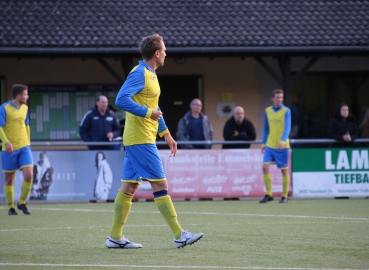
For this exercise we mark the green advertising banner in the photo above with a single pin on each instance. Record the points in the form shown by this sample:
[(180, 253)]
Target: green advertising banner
[(330, 172)]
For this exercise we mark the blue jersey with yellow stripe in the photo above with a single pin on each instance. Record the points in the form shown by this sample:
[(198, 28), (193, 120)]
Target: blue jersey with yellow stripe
[(15, 123), (277, 126), (139, 96)]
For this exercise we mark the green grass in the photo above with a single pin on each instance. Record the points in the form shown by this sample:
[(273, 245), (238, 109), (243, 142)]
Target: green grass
[(238, 235)]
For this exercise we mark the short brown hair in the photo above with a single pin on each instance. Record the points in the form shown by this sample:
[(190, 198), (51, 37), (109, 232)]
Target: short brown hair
[(277, 91), (149, 45), (18, 89)]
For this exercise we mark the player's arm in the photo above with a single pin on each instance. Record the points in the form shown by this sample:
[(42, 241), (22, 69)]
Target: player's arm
[(3, 138), (133, 85), (162, 128), (265, 132), (287, 127), (28, 129)]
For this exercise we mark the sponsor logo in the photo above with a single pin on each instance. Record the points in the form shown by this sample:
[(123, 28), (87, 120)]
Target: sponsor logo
[(359, 160), (96, 117), (247, 179), (182, 180), (183, 190), (215, 179), (216, 189), (245, 189), (109, 118)]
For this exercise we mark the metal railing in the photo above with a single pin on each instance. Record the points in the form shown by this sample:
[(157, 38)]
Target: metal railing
[(215, 142)]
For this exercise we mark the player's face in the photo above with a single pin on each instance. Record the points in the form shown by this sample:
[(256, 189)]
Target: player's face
[(277, 100), (24, 97), (162, 55), (344, 111), (239, 115), (100, 156)]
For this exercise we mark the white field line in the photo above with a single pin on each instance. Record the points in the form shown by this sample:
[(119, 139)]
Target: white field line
[(163, 266), (200, 213)]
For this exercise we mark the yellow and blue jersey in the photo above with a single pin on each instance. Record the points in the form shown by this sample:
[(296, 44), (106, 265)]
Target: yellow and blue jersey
[(15, 123), (139, 96), (277, 126)]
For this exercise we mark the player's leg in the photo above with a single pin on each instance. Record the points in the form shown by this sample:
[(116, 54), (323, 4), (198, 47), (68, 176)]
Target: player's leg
[(165, 205), (9, 192), (9, 166), (267, 160), (122, 207), (282, 164), (26, 165)]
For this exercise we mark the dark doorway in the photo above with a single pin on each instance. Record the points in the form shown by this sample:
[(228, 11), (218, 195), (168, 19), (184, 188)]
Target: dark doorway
[(176, 95)]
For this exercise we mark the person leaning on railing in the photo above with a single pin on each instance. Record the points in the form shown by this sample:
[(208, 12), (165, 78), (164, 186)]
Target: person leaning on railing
[(343, 127)]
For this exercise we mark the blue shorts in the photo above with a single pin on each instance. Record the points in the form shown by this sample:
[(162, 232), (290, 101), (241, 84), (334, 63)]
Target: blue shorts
[(142, 162), (280, 157), (19, 159)]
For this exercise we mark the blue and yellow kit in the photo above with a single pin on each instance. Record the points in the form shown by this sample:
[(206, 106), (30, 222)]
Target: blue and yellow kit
[(277, 126), (139, 96), (14, 123)]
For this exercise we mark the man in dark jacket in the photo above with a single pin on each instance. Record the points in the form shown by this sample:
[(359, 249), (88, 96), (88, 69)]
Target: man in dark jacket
[(195, 126), (343, 127), (238, 128), (99, 125)]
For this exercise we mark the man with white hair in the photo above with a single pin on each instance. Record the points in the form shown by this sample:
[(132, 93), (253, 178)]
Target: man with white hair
[(238, 128)]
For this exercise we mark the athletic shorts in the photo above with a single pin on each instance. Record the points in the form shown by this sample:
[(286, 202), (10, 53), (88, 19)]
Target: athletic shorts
[(19, 159), (280, 157), (142, 162)]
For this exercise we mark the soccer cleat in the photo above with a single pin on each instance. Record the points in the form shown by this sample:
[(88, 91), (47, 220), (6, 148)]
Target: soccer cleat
[(121, 243), (187, 238), (266, 199), (24, 209), (283, 200), (12, 212)]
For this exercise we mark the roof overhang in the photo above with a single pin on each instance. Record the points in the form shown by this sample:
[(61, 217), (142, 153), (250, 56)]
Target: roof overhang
[(187, 51)]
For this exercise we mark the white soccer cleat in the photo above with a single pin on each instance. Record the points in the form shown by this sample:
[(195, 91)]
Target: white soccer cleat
[(187, 238), (121, 243)]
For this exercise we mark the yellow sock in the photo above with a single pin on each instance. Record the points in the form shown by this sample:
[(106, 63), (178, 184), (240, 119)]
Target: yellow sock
[(166, 208), (122, 206), (25, 191), (286, 182), (9, 195), (268, 184)]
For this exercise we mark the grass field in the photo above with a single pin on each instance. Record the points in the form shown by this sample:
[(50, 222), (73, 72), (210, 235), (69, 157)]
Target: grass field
[(302, 234)]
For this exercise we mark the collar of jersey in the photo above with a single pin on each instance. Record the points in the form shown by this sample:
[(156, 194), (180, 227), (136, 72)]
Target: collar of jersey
[(141, 62), (277, 109)]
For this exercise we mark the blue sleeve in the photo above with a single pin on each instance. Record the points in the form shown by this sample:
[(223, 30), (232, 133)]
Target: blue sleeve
[(162, 126), (132, 86), (287, 125), (84, 128), (265, 130), (2, 116), (27, 118)]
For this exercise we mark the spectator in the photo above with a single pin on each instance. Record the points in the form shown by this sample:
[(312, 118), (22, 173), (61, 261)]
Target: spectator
[(99, 125), (364, 128), (343, 127), (195, 126), (238, 128)]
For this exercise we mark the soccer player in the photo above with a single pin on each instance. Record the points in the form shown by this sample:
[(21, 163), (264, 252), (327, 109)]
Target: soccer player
[(16, 154), (139, 97), (275, 144)]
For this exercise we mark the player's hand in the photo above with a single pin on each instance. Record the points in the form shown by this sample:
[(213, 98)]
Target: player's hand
[(9, 148), (280, 146), (263, 150), (235, 133), (156, 115), (171, 143)]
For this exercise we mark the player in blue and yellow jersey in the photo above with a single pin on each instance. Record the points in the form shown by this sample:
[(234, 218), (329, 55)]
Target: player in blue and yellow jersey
[(275, 144), (16, 154), (139, 97)]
